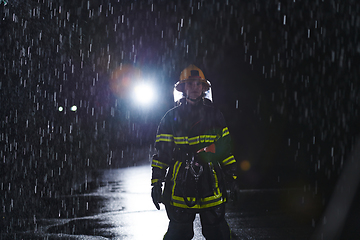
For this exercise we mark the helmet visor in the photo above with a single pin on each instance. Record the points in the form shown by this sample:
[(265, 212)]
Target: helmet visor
[(178, 95)]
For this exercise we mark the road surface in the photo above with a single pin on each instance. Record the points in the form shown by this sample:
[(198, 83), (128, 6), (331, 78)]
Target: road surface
[(118, 206)]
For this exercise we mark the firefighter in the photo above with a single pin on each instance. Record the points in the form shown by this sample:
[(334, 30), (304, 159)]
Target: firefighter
[(195, 161)]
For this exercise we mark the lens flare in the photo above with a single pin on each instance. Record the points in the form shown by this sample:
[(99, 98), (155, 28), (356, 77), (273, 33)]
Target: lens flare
[(122, 79), (245, 165)]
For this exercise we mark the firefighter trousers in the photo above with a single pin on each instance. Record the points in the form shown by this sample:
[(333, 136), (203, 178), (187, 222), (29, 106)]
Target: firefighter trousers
[(213, 223)]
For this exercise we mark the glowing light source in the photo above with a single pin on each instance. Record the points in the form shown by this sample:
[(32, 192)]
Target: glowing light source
[(144, 93), (73, 108), (61, 109)]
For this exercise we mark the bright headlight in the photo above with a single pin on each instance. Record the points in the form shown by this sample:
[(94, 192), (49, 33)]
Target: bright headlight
[(144, 93)]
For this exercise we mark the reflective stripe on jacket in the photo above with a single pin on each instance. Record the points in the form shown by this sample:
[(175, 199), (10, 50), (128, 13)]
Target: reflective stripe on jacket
[(187, 129)]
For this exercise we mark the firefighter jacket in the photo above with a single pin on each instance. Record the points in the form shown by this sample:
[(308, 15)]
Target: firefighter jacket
[(194, 179)]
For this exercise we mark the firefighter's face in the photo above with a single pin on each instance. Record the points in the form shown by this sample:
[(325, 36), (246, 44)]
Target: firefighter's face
[(194, 89)]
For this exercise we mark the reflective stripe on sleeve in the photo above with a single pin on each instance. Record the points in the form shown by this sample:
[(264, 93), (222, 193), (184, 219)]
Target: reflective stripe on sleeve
[(154, 181), (164, 138), (158, 164), (225, 132), (229, 160)]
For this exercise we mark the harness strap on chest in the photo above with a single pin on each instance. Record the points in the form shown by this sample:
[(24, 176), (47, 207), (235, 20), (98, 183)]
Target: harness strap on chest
[(190, 167)]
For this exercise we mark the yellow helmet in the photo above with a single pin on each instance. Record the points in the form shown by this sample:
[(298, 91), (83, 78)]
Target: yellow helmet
[(191, 73)]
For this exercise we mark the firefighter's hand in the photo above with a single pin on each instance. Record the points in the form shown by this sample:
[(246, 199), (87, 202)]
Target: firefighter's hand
[(234, 191), (156, 194)]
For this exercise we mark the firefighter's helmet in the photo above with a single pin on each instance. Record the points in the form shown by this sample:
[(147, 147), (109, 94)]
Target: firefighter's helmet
[(191, 73)]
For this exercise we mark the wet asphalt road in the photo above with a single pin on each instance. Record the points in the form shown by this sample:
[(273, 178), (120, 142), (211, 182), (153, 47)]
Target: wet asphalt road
[(118, 206)]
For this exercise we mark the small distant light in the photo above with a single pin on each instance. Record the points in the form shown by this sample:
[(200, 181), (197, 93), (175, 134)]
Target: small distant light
[(245, 165), (73, 108), (61, 109)]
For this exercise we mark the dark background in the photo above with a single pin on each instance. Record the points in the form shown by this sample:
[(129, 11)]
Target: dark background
[(284, 74)]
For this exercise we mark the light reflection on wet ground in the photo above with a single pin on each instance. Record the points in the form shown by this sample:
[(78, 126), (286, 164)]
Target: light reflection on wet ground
[(125, 210), (119, 206)]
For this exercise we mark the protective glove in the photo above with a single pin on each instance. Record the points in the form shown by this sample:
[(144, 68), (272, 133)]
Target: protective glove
[(234, 191), (230, 172), (156, 194)]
